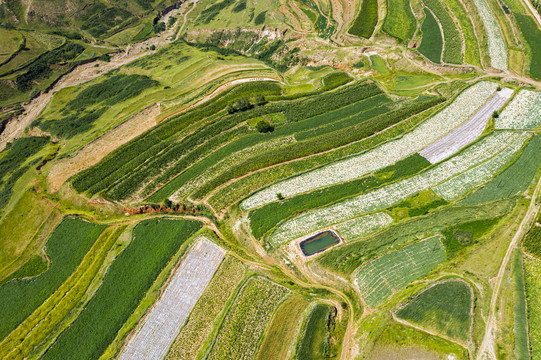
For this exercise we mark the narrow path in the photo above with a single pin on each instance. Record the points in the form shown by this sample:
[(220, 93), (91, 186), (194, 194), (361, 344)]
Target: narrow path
[(486, 350)]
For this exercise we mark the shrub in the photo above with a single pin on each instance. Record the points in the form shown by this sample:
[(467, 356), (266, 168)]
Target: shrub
[(263, 126)]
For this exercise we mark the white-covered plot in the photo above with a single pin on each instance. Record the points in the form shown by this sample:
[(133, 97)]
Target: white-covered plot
[(460, 110), (462, 184), (466, 133), (389, 195), (522, 113), (496, 45), (359, 227), (165, 321)]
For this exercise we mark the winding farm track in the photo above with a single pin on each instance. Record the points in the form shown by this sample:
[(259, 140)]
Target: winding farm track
[(487, 348)]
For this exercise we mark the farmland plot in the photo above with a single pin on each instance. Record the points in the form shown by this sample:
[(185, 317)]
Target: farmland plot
[(524, 112), (164, 322), (467, 132), (240, 334), (460, 110), (390, 273), (364, 225), (496, 45), (394, 193), (462, 184)]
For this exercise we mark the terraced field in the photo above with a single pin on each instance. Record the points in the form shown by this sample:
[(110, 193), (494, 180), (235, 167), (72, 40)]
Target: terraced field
[(256, 179)]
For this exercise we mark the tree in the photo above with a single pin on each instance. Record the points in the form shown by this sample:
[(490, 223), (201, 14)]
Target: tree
[(264, 127), (259, 99), (230, 109), (242, 104)]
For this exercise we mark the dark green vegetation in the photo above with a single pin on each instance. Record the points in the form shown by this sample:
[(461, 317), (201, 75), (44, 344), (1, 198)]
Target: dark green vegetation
[(93, 101), (432, 43), (453, 41), (267, 217), (443, 308), (463, 235), (516, 178), (33, 267), (532, 36), (66, 248), (520, 316), (126, 282), (12, 163), (319, 243), (399, 21), (315, 341), (366, 21), (345, 259), (532, 242)]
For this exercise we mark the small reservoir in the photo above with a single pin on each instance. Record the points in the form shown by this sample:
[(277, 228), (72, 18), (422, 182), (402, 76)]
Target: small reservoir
[(319, 243)]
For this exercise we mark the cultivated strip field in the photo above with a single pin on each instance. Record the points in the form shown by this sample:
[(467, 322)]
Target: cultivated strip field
[(460, 110), (524, 112), (496, 45), (364, 225), (386, 196), (164, 322), (467, 132), (382, 277)]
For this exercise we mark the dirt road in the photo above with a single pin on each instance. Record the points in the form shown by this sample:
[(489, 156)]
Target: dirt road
[(486, 350)]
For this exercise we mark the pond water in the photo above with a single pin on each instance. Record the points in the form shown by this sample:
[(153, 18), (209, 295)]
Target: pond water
[(319, 242)]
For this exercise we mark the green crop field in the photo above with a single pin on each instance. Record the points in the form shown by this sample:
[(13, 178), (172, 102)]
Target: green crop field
[(366, 20), (242, 329), (383, 276), (516, 178), (532, 273), (521, 348), (314, 343), (443, 308), (471, 54), (432, 43), (129, 277), (452, 52), (532, 242), (399, 21), (21, 298)]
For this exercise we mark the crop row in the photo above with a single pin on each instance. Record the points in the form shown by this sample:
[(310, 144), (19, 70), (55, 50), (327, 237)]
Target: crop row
[(126, 282), (433, 310), (315, 343), (523, 112), (399, 21), (210, 304), (462, 108), (242, 329), (359, 227), (432, 42), (183, 291), (394, 193), (322, 143), (471, 53), (516, 178), (21, 298), (267, 217), (532, 272), (238, 189), (496, 45), (162, 135), (34, 329), (464, 183), (520, 315), (366, 20), (452, 51), (390, 273), (345, 259)]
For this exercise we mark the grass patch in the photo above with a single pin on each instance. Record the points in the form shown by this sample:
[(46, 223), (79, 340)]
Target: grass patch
[(33, 267), (432, 43), (282, 329), (366, 21), (20, 298), (314, 343), (378, 64), (443, 308), (463, 235), (399, 22), (126, 282), (383, 276), (516, 178)]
